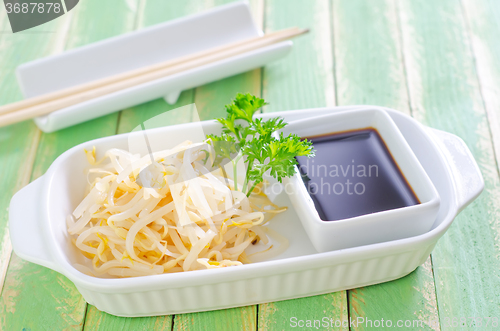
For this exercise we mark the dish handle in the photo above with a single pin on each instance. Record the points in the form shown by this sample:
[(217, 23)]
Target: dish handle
[(467, 179), (25, 229)]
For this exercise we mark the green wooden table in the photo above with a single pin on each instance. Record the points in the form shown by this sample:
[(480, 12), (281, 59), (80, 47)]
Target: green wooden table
[(436, 60)]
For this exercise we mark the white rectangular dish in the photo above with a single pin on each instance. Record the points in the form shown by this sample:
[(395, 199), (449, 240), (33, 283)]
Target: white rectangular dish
[(374, 227), (38, 232), (162, 42)]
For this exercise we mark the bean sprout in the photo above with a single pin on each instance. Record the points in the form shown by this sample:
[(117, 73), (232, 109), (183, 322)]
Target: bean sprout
[(183, 218)]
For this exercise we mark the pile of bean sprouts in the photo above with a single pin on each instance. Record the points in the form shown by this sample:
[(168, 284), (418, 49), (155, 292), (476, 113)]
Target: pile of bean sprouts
[(187, 217)]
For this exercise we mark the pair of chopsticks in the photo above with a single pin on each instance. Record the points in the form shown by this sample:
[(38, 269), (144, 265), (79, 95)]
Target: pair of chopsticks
[(47, 103)]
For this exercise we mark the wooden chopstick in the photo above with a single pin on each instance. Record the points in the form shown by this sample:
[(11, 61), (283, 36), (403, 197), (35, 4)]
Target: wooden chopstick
[(47, 103), (136, 72)]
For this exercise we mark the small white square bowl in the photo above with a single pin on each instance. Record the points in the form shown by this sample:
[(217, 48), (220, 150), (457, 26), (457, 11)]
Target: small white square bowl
[(370, 228)]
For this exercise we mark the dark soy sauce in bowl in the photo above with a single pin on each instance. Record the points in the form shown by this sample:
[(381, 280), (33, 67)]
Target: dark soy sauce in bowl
[(353, 174)]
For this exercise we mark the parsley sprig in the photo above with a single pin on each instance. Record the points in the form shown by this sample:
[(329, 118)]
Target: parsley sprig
[(254, 141)]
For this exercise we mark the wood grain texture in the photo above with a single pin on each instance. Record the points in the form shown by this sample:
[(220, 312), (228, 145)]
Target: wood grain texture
[(368, 61), (324, 312), (35, 297), (18, 142), (370, 70), (304, 79), (211, 98), (411, 298), (241, 318), (98, 320), (445, 93), (482, 18)]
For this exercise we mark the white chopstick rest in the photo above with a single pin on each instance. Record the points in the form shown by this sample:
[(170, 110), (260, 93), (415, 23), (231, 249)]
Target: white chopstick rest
[(186, 61)]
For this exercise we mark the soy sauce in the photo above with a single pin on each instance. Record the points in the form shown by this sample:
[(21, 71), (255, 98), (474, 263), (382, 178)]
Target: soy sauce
[(353, 174)]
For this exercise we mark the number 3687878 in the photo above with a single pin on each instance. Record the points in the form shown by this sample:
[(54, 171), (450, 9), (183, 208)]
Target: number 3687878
[(33, 8)]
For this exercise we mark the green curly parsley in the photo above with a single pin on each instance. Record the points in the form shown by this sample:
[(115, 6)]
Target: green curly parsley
[(253, 140)]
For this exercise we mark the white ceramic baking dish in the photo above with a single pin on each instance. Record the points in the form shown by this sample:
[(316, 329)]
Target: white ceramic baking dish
[(369, 228), (38, 232), (169, 40)]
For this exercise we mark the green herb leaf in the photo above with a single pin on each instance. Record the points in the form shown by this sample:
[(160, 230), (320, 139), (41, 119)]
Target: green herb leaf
[(262, 150), (225, 147)]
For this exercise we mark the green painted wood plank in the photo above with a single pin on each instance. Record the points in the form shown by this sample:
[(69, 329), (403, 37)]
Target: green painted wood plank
[(18, 142), (35, 297), (484, 32), (445, 93), (242, 318), (98, 320), (211, 98), (368, 62), (324, 312), (370, 70), (411, 299), (304, 79)]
